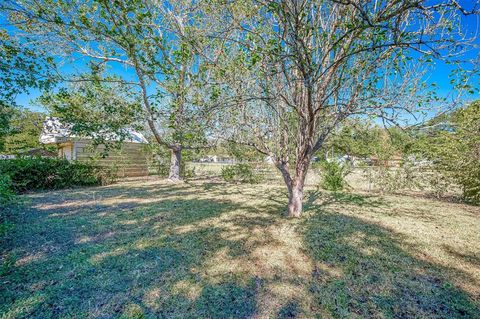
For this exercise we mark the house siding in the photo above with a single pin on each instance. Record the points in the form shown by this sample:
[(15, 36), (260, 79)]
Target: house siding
[(130, 160)]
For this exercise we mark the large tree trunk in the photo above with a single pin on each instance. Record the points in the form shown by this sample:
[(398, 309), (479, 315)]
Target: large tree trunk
[(295, 199), (295, 188), (175, 161)]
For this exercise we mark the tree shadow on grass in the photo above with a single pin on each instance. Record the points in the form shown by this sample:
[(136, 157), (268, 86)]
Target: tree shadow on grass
[(161, 188), (468, 258), (364, 270), (177, 258), (290, 310), (227, 300), (316, 199), (103, 258), (94, 262)]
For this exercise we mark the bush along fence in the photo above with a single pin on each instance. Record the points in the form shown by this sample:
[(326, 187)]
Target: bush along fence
[(240, 173), (27, 174)]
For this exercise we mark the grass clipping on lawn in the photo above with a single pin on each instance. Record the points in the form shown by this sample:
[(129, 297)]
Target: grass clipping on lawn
[(148, 249)]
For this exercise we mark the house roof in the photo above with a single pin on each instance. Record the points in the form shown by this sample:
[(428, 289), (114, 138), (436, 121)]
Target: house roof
[(54, 131), (39, 152)]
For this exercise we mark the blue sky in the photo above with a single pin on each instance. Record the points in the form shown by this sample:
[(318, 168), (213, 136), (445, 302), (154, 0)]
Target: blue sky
[(439, 74)]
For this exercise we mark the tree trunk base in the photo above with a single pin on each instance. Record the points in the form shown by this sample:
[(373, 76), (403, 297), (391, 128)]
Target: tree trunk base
[(175, 162), (174, 179), (295, 202), (293, 212), (294, 215)]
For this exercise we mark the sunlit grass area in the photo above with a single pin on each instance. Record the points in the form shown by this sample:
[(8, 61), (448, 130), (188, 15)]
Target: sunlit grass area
[(206, 249)]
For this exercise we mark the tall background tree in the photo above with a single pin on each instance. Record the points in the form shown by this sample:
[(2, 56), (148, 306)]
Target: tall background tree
[(96, 109), (152, 47), (362, 139), (452, 143), (298, 69), (24, 131), (21, 69)]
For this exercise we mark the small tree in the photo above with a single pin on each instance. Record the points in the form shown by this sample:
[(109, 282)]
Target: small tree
[(453, 145), (333, 175), (299, 68)]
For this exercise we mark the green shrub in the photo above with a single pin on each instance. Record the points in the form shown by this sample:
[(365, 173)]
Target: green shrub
[(49, 173), (469, 180), (162, 169), (333, 175), (187, 172), (7, 195), (396, 179), (439, 183), (454, 152), (8, 202), (242, 173)]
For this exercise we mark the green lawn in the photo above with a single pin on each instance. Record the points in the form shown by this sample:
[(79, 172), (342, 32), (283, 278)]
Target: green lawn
[(152, 249)]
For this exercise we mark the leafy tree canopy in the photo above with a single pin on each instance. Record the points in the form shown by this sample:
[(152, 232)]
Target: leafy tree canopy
[(24, 131), (453, 144)]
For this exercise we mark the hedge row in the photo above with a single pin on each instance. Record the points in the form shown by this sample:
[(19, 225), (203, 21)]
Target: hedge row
[(28, 174)]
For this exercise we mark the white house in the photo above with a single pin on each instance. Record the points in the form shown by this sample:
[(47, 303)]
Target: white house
[(130, 160)]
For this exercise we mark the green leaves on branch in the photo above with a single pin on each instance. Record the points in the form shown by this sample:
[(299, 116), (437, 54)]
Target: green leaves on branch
[(96, 109), (452, 142), (21, 68)]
